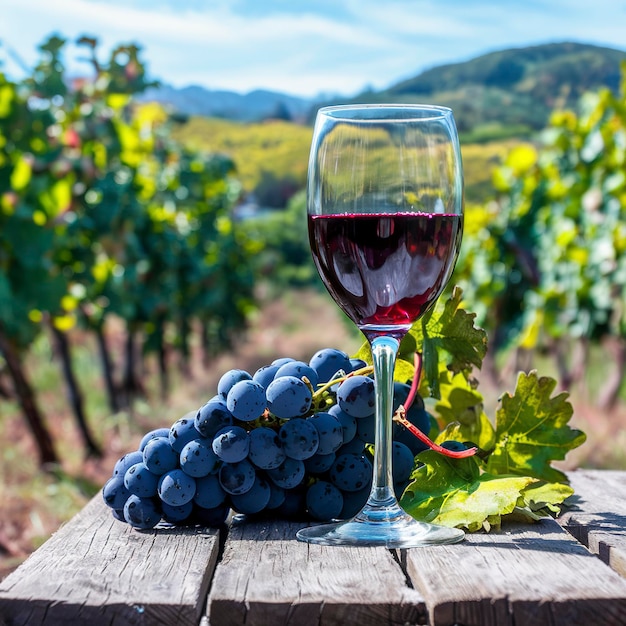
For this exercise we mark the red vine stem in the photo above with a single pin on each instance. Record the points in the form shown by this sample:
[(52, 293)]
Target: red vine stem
[(414, 430), (415, 383), (455, 454)]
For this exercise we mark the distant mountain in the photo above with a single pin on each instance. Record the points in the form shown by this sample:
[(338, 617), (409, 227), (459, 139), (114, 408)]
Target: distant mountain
[(515, 88), (510, 91), (253, 106)]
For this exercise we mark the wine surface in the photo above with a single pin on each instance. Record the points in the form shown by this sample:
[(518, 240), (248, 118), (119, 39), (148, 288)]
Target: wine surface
[(385, 269)]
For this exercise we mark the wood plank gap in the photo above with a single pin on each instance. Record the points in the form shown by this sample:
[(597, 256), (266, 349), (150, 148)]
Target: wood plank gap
[(399, 556), (267, 576), (597, 514), (222, 537), (525, 575), (98, 569)]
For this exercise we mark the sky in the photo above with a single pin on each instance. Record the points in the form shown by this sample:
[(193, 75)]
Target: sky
[(301, 47)]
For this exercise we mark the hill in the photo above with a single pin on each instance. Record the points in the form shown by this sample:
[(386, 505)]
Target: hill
[(511, 91), (250, 107), (507, 93), (497, 98)]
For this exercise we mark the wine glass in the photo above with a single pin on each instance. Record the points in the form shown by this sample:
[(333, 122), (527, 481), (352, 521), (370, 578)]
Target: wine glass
[(385, 216)]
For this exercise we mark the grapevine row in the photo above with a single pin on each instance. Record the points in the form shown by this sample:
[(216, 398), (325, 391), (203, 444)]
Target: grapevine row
[(544, 265), (102, 215)]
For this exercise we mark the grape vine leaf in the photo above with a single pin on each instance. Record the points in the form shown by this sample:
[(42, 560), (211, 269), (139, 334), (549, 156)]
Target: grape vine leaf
[(454, 492), (532, 430), (448, 328), (461, 408), (539, 499), (480, 433), (546, 496)]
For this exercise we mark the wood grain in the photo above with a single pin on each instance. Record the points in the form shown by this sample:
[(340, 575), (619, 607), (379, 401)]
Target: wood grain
[(597, 517), (522, 576), (98, 570), (267, 577)]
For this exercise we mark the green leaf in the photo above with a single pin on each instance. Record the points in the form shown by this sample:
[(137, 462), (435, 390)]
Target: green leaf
[(461, 408), (445, 328), (451, 329), (532, 430), (542, 495), (453, 492), (540, 499), (22, 173), (480, 433), (521, 515)]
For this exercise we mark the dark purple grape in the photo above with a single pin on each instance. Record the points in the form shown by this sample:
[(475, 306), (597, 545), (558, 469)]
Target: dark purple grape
[(356, 396)]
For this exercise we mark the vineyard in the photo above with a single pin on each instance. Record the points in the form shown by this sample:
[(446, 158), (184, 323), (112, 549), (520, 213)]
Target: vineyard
[(126, 280), (103, 215), (544, 265)]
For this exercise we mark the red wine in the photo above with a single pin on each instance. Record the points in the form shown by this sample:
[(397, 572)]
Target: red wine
[(385, 269)]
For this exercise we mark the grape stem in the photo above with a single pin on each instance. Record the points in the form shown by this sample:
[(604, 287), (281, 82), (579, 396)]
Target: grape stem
[(364, 371), (399, 417), (415, 383)]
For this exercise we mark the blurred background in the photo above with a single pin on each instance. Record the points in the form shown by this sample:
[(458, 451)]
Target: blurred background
[(152, 164)]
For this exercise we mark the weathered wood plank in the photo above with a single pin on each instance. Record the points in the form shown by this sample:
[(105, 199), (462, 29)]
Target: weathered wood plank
[(523, 576), (99, 570), (267, 577), (597, 517)]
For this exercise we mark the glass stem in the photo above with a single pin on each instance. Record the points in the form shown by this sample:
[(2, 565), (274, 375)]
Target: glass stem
[(384, 351)]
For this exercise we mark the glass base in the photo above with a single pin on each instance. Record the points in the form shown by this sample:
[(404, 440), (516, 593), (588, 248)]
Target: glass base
[(386, 526)]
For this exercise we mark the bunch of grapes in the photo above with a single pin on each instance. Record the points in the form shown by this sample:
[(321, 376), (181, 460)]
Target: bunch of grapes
[(291, 440)]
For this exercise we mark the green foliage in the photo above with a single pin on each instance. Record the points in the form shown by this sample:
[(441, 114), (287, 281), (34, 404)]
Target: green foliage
[(273, 151), (457, 492), (286, 255), (512, 473), (102, 213), (445, 331), (448, 329), (453, 492), (461, 412), (532, 430), (30, 194), (548, 259), (491, 132)]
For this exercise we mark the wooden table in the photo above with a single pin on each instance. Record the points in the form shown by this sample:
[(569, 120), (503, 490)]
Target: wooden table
[(96, 570)]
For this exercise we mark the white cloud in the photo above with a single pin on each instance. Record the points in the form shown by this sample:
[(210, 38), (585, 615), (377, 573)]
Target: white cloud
[(324, 46)]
